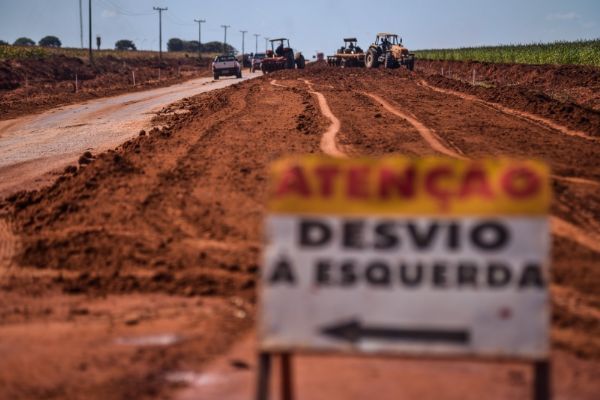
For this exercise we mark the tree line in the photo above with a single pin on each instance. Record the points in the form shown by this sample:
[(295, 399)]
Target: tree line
[(174, 44), (46, 41)]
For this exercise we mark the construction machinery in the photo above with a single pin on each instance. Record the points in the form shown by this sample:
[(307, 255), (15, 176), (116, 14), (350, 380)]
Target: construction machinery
[(349, 55), (389, 52), (281, 56)]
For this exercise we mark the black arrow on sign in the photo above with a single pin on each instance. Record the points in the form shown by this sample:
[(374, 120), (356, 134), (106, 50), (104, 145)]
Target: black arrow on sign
[(353, 331)]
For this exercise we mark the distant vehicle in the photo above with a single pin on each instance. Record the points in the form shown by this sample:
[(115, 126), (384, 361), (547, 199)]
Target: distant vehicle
[(245, 60), (257, 61), (282, 57), (349, 55), (389, 52), (226, 65)]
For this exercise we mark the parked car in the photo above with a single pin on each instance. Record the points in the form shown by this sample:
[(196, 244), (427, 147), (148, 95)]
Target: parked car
[(226, 65), (257, 61)]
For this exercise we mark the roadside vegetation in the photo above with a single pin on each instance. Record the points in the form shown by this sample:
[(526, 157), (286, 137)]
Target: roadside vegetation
[(177, 44), (582, 52), (8, 52), (24, 48)]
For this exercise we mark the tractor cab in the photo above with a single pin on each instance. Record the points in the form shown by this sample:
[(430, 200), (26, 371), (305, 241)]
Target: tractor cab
[(280, 47), (389, 39), (350, 47), (281, 56)]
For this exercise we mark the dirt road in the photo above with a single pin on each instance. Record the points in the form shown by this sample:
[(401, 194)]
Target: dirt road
[(33, 146), (134, 276)]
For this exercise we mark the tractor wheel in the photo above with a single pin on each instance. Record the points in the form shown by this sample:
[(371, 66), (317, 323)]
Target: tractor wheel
[(290, 62), (216, 76), (239, 74), (411, 64), (389, 61), (371, 60), (300, 62)]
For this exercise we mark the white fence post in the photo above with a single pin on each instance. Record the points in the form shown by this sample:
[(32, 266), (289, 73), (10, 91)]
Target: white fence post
[(133, 75), (473, 76), (76, 83)]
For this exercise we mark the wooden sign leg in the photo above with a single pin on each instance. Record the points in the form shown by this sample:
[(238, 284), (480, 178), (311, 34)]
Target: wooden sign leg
[(542, 382), (264, 373), (287, 387)]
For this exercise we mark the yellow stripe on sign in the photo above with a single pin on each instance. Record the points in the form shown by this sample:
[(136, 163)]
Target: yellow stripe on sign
[(407, 186)]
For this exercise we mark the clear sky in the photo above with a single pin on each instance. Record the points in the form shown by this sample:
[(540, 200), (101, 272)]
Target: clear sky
[(311, 25)]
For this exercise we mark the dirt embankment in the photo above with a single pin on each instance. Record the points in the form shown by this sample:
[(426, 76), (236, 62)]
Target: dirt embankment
[(569, 95), (32, 85), (177, 213), (565, 83)]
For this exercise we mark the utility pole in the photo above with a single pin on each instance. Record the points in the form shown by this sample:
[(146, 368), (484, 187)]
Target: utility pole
[(81, 23), (200, 22), (243, 47), (160, 10), (225, 27), (256, 36), (90, 31)]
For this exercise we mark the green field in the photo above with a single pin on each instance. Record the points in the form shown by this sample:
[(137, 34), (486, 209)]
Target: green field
[(583, 52), (22, 52)]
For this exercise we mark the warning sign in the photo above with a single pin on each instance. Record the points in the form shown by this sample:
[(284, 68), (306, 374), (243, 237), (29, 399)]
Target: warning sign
[(427, 256)]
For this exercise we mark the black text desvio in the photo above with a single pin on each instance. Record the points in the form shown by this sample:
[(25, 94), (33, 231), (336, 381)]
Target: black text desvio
[(489, 235)]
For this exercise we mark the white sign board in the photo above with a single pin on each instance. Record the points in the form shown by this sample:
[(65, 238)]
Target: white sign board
[(461, 276)]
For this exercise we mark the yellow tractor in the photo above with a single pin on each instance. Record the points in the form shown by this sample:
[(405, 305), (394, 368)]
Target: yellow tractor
[(389, 52)]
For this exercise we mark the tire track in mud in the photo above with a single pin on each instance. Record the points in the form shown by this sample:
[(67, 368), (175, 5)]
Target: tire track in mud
[(329, 143), (569, 231), (434, 141), (575, 180), (535, 119), (8, 246), (559, 226)]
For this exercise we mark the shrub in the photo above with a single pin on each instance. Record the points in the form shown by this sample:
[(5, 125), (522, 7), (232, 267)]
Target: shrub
[(24, 41), (125, 44), (50, 41)]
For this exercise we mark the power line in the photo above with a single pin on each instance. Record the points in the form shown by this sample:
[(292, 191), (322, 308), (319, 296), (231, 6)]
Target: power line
[(243, 48), (160, 11), (180, 20), (175, 22), (200, 22), (225, 27), (256, 36), (81, 23), (122, 11), (90, 31)]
